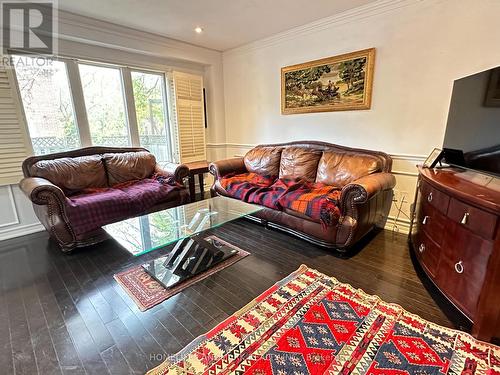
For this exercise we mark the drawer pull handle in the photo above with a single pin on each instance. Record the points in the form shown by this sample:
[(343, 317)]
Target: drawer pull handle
[(421, 248), (459, 268), (429, 197), (424, 221), (465, 219)]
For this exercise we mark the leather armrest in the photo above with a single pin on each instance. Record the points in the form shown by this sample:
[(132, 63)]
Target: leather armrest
[(366, 187), (179, 171), (40, 191), (223, 167)]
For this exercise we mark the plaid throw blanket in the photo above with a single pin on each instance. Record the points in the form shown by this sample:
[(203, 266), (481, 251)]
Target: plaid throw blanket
[(315, 200), (241, 186), (94, 207), (270, 196)]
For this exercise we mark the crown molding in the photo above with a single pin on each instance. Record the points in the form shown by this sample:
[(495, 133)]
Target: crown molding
[(66, 18), (351, 15), (92, 31)]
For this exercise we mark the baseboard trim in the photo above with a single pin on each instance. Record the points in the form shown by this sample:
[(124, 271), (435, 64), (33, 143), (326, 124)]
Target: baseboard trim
[(21, 230), (398, 225)]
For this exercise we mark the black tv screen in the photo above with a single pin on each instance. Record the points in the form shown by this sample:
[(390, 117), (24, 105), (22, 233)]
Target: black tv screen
[(473, 126)]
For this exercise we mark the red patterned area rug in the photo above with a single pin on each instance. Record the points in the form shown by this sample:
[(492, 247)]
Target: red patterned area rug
[(146, 292), (310, 323)]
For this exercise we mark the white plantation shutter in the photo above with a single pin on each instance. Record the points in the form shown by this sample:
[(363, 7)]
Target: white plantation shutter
[(15, 145), (172, 113), (188, 89)]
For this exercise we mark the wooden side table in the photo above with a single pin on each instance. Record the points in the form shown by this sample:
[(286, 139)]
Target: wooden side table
[(196, 168)]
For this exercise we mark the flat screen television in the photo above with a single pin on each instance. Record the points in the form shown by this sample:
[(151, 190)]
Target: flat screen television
[(472, 137)]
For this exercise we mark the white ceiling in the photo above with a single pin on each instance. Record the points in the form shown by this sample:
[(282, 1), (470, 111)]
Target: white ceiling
[(226, 23)]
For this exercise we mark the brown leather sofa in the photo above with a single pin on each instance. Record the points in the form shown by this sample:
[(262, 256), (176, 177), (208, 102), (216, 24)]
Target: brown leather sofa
[(363, 175), (56, 183)]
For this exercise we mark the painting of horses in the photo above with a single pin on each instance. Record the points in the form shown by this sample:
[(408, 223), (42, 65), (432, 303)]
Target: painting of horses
[(336, 83)]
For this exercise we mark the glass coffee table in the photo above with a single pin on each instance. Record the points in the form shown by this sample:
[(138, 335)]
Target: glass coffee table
[(193, 252)]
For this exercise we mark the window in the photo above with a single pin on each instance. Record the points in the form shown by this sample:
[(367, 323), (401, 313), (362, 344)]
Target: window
[(48, 106), (115, 106), (103, 92), (151, 113)]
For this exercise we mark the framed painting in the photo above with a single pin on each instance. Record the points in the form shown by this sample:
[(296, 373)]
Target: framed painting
[(338, 83)]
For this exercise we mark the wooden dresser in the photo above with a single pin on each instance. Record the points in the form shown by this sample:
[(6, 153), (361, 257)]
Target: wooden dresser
[(455, 235)]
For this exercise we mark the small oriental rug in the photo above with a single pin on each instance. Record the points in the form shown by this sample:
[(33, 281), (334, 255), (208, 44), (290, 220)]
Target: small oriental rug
[(146, 292), (310, 323)]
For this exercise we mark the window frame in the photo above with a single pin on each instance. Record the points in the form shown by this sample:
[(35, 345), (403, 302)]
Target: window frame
[(166, 109), (79, 105), (21, 101), (129, 123)]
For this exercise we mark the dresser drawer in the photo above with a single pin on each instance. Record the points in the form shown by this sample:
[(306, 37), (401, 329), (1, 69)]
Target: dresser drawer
[(432, 222), (434, 197), (462, 268), (478, 221), (428, 253)]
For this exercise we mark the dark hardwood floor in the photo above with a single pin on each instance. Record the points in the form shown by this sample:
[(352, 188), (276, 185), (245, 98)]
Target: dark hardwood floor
[(65, 313)]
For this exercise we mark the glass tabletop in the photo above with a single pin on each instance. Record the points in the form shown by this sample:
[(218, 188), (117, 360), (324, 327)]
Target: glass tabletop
[(142, 234)]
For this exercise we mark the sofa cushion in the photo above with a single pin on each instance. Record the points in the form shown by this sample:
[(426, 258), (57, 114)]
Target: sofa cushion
[(242, 185), (72, 174), (341, 168), (148, 192), (263, 160), (129, 166), (90, 211), (298, 162), (317, 201)]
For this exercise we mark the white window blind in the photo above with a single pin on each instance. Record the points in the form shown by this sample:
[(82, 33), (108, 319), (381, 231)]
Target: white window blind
[(188, 89), (15, 145)]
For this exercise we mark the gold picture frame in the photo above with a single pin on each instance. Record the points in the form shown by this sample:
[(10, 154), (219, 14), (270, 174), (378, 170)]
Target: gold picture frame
[(338, 83)]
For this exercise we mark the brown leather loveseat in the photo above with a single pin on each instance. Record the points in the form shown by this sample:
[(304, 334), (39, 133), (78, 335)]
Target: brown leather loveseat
[(362, 175), (75, 193)]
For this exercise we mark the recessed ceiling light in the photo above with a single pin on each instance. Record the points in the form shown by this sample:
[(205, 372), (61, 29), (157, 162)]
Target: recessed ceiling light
[(198, 29)]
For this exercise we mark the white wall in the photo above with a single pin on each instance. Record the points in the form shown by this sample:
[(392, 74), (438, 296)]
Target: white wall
[(87, 38), (421, 48)]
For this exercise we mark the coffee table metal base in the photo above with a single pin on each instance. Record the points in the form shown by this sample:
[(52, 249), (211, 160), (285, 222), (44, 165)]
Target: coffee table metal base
[(190, 256)]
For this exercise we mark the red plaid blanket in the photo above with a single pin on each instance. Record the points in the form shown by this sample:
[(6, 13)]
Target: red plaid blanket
[(270, 196), (242, 185), (316, 200)]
